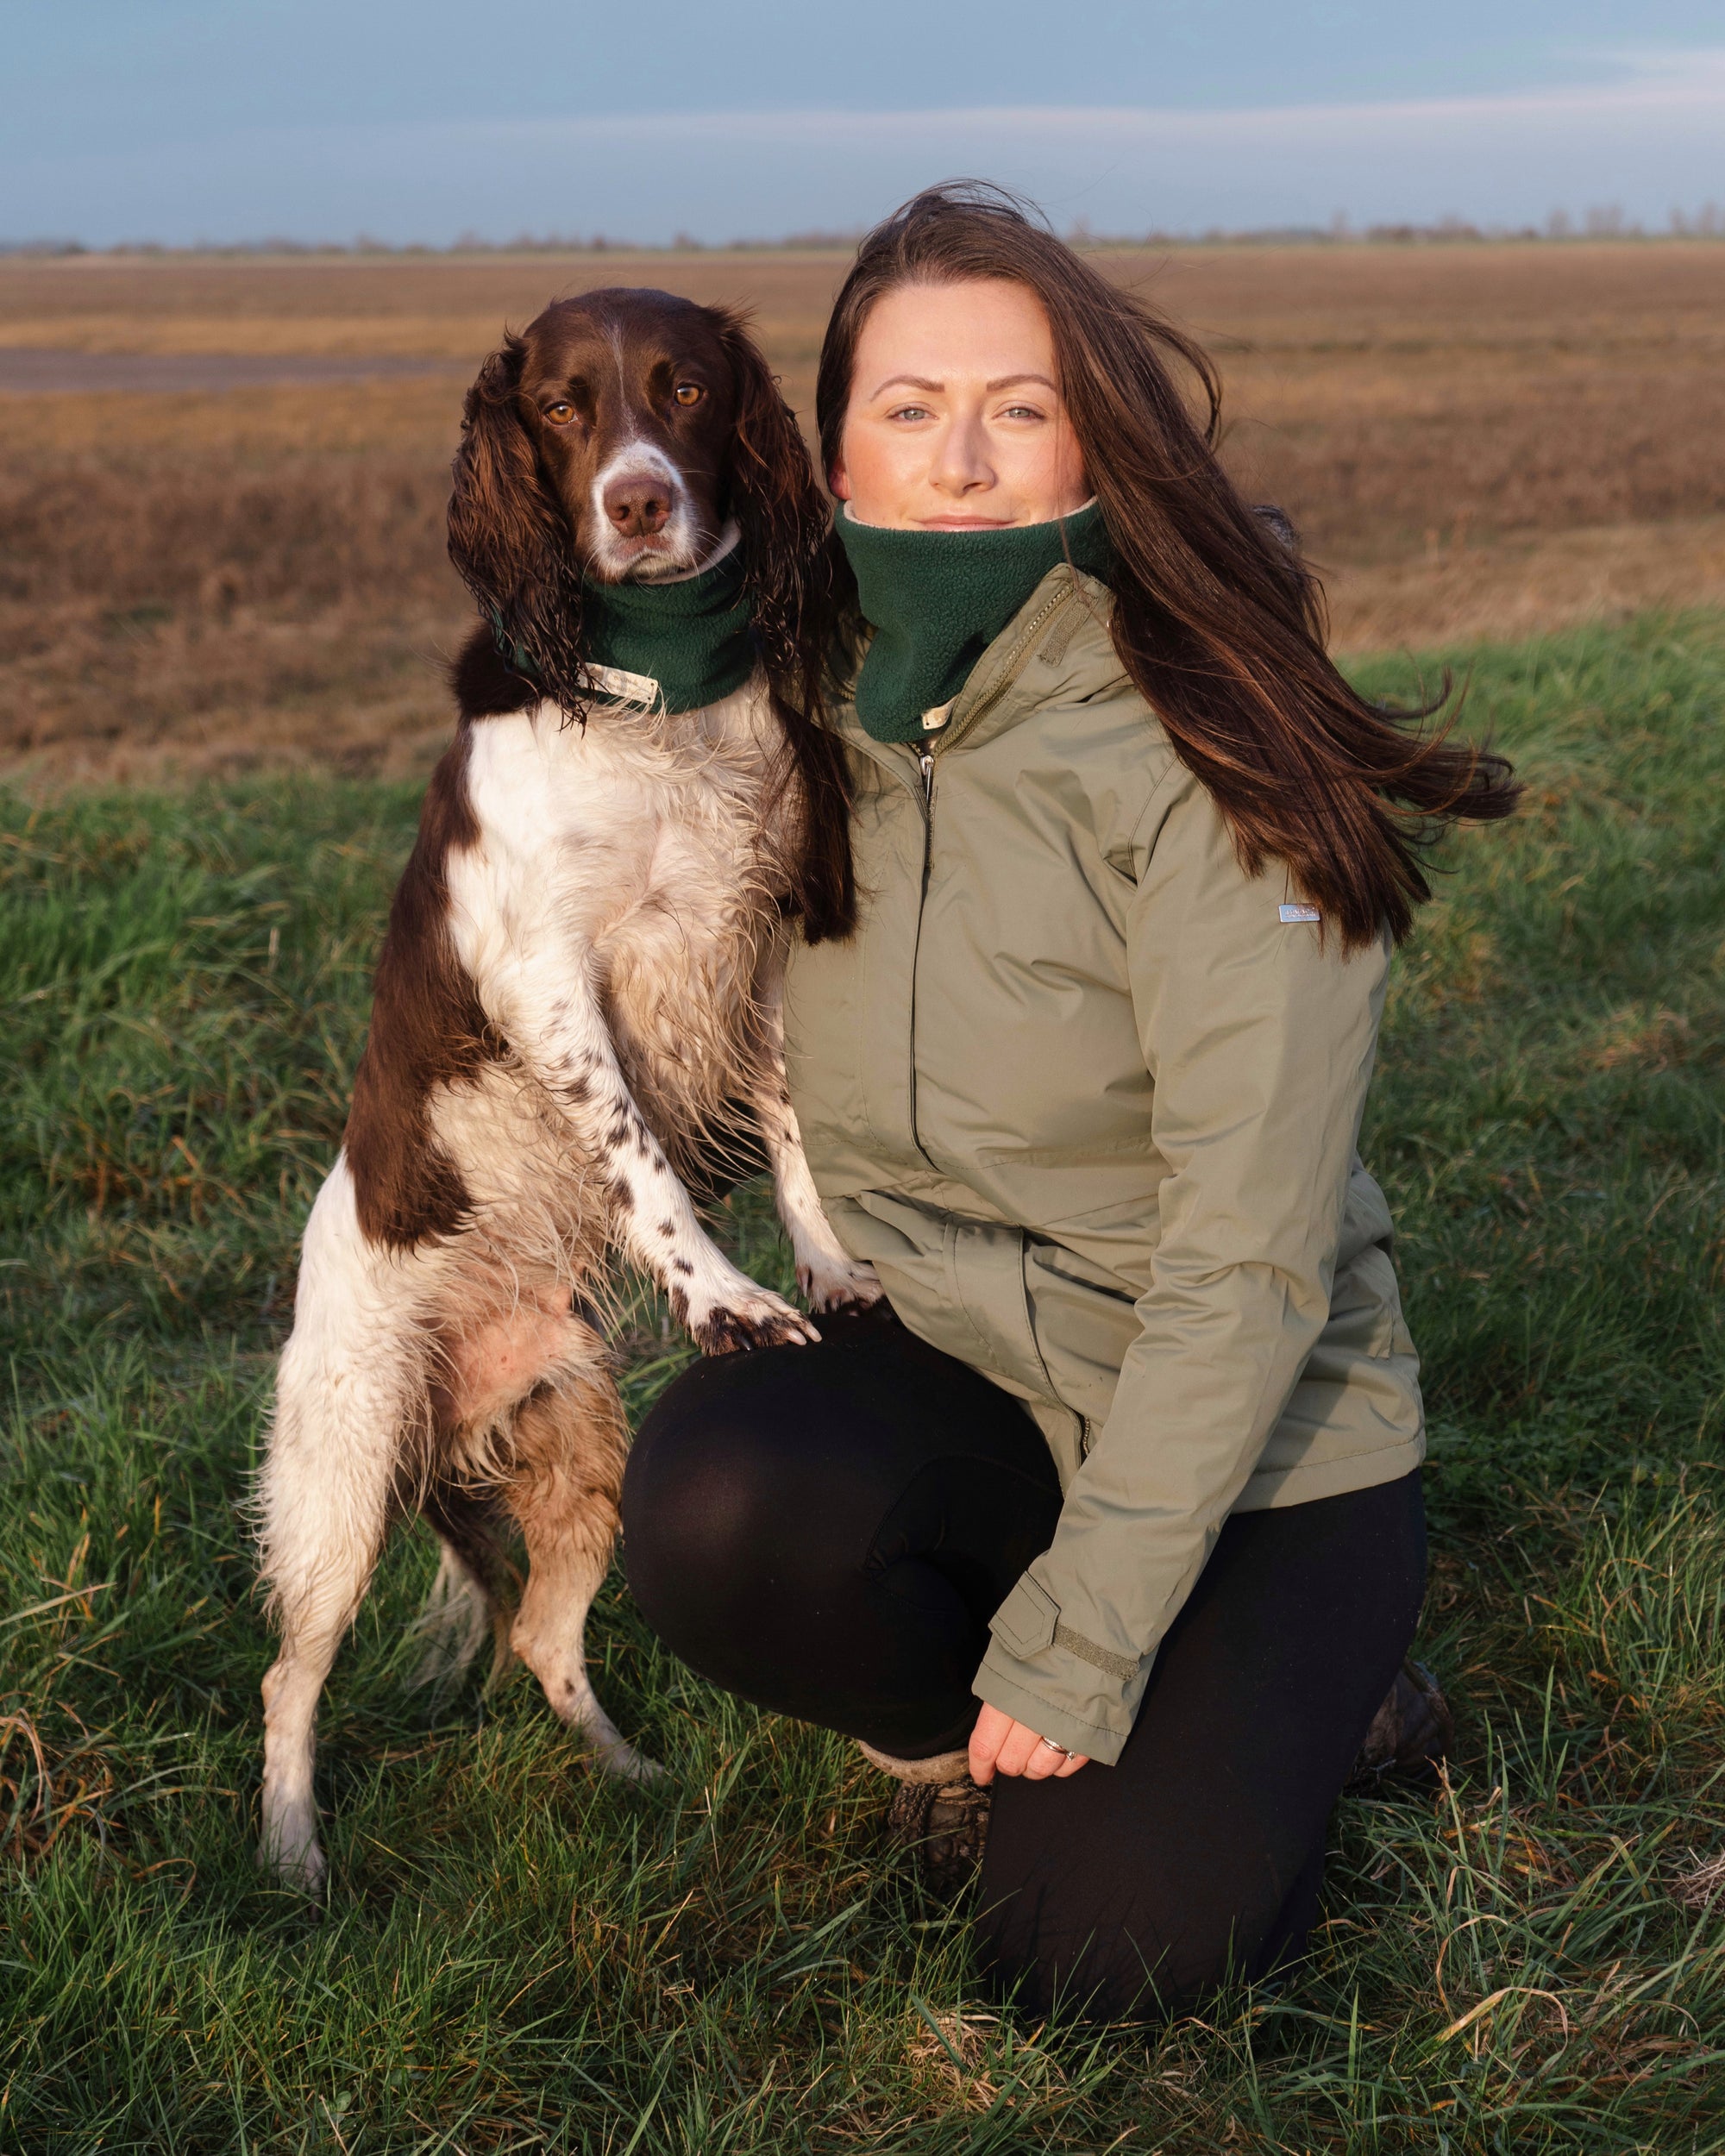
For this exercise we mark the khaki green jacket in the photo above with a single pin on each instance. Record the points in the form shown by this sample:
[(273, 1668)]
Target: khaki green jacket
[(1088, 1103)]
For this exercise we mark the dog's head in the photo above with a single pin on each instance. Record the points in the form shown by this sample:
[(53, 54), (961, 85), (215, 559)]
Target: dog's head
[(629, 400), (618, 437)]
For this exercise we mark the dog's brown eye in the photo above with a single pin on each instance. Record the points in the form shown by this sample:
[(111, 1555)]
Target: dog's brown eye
[(561, 413), (689, 392)]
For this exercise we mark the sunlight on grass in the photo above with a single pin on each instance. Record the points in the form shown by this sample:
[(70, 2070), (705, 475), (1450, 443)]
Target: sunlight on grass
[(517, 1955)]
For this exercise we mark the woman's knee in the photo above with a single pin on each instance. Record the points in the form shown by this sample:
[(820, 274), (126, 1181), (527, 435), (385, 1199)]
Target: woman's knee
[(740, 1505), (1115, 1970), (696, 1504), (1098, 1900)]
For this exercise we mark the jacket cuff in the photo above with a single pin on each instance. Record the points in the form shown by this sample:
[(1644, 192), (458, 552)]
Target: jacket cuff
[(1056, 1681)]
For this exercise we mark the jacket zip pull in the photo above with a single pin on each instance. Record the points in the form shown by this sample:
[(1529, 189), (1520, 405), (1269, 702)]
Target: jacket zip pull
[(926, 760)]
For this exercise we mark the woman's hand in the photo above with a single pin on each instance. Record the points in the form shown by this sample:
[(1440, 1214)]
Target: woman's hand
[(1000, 1745)]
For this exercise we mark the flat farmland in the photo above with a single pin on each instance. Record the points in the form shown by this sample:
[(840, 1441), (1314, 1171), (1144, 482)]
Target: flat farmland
[(221, 481)]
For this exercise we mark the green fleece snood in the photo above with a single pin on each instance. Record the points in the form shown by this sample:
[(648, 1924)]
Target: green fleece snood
[(674, 647), (691, 637), (936, 600)]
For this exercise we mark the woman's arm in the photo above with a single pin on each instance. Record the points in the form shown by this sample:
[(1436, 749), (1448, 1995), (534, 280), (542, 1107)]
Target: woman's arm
[(1259, 1036)]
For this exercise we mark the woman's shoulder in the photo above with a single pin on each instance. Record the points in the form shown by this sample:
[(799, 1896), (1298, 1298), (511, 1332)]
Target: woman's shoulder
[(1076, 667), (1075, 733)]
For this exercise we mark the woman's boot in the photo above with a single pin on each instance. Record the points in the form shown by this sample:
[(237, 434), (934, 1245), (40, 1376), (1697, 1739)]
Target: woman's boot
[(937, 1814), (1410, 1733)]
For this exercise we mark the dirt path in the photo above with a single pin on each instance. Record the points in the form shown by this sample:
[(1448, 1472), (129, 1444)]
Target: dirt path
[(36, 373)]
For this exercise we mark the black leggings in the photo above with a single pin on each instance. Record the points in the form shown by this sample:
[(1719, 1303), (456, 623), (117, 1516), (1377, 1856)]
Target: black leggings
[(826, 1530)]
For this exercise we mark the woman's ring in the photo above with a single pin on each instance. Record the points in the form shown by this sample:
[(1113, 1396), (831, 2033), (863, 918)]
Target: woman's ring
[(1061, 1749)]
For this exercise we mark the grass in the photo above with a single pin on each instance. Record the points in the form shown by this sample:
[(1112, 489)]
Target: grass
[(517, 1955)]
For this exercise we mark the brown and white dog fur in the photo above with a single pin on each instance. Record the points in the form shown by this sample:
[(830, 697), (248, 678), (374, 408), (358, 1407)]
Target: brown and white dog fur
[(578, 987)]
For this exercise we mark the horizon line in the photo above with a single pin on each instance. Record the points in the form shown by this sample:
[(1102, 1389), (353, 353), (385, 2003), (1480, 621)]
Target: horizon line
[(1601, 226)]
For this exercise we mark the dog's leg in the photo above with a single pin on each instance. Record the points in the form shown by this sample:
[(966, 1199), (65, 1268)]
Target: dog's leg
[(347, 1400), (550, 1010), (827, 1274), (325, 1504), (570, 1442)]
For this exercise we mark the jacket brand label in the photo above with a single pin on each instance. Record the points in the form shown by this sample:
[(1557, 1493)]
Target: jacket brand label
[(1298, 914)]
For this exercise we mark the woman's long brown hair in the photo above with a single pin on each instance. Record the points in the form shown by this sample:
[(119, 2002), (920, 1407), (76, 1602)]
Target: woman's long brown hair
[(1218, 623)]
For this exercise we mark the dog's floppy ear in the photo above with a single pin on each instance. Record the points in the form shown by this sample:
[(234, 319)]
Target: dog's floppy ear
[(778, 506), (508, 537), (783, 515)]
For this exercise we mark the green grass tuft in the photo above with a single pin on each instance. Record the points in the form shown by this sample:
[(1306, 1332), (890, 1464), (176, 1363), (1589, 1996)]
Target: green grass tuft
[(517, 1955)]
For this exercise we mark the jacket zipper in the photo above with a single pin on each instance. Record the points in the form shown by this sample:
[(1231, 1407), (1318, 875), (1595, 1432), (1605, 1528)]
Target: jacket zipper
[(926, 763)]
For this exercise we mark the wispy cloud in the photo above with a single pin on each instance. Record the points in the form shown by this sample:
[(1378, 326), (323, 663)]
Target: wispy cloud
[(1655, 83), (1668, 63)]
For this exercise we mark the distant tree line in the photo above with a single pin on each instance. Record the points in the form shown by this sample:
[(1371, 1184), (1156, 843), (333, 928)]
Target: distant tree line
[(1604, 222)]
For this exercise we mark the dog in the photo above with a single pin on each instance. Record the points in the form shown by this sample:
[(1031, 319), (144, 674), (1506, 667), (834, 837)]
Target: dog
[(576, 994)]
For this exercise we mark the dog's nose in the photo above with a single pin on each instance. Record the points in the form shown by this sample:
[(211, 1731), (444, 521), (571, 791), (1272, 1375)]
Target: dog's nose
[(638, 505)]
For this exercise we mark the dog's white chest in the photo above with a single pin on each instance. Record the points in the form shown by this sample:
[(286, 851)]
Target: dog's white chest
[(639, 849)]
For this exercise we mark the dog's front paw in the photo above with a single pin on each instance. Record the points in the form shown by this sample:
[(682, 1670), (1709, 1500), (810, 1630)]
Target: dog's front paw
[(839, 1284), (759, 1319)]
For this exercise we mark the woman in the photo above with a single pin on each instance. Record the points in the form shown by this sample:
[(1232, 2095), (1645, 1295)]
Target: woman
[(1132, 1457)]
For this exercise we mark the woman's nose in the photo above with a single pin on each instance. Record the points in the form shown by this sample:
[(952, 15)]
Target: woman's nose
[(962, 462)]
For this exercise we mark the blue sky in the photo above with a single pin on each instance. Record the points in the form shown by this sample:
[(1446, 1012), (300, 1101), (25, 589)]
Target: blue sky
[(179, 119)]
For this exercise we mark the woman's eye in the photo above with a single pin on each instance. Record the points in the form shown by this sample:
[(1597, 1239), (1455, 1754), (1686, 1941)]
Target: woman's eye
[(1021, 411), (909, 411), (560, 414), (689, 392)]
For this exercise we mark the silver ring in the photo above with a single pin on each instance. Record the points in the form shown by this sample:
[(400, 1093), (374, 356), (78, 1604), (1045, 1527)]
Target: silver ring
[(1061, 1749)]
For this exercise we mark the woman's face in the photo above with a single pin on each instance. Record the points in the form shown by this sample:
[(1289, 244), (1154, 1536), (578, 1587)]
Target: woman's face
[(955, 422)]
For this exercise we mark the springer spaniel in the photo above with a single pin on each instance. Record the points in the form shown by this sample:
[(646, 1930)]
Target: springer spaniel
[(576, 997)]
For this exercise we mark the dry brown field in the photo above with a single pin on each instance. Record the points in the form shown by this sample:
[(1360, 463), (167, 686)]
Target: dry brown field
[(1474, 441)]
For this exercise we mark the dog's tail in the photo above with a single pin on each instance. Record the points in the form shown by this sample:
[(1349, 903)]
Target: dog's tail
[(476, 1588)]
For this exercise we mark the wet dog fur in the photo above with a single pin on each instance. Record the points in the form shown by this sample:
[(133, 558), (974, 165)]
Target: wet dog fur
[(577, 988)]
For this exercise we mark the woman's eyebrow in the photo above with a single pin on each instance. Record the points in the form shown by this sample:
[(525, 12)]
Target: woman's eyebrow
[(1000, 382), (908, 382)]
